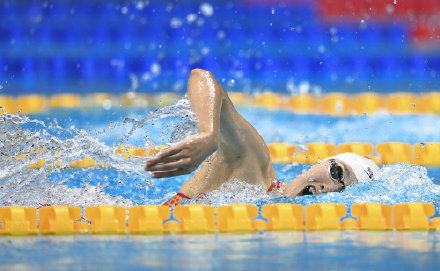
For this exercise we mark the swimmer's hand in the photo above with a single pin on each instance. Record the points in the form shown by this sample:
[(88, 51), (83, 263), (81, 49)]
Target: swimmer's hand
[(184, 157)]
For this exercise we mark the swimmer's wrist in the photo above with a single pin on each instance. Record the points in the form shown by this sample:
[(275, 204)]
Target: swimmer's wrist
[(212, 138), (213, 135)]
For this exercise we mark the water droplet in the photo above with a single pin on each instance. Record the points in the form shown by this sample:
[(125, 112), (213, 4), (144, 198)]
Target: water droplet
[(273, 11), (175, 22), (191, 17), (413, 104), (107, 104), (389, 9), (290, 85), (206, 9), (155, 68), (304, 87), (124, 10), (339, 106), (333, 30), (205, 51), (221, 34), (141, 4), (422, 144), (303, 147)]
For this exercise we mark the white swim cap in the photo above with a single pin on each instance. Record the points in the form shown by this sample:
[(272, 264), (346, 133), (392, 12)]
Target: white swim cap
[(364, 168)]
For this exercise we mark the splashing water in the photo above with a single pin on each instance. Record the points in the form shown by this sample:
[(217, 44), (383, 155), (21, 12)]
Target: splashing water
[(25, 142), (233, 192), (118, 181), (396, 183), (181, 123)]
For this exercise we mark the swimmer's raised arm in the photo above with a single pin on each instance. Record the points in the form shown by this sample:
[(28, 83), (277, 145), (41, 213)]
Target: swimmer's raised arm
[(183, 158), (240, 152)]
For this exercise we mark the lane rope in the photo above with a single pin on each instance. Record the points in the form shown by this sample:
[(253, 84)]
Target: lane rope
[(337, 104)]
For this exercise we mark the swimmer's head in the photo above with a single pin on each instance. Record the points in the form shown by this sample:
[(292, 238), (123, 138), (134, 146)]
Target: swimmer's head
[(333, 175), (364, 169)]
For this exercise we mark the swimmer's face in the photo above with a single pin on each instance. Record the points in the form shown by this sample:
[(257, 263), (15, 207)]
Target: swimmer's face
[(328, 176)]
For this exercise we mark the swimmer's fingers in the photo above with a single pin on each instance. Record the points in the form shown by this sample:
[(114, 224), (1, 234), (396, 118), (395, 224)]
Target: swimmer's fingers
[(164, 156), (172, 165), (170, 151), (170, 173), (172, 158)]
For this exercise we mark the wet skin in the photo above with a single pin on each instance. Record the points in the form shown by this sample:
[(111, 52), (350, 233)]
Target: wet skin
[(240, 153), (317, 180)]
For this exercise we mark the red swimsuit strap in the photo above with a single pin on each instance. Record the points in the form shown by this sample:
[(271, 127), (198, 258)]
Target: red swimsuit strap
[(175, 200), (275, 185)]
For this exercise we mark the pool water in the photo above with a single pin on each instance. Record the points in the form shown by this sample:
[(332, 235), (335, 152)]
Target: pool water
[(76, 134), (328, 250), (95, 133)]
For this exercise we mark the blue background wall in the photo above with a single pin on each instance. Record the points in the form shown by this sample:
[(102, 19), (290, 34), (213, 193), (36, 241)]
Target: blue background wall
[(150, 46)]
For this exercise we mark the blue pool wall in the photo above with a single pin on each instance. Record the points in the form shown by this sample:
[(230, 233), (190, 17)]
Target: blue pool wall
[(150, 46)]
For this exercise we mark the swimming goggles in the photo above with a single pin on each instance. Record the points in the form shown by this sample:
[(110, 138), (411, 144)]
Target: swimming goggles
[(336, 172)]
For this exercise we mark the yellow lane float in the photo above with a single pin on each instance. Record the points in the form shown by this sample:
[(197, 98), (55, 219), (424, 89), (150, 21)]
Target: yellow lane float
[(324, 216), (315, 152), (195, 218), (58, 220), (283, 216), (31, 104), (372, 216), (268, 99), (147, 219), (401, 103), (9, 105), (302, 104), (367, 103), (107, 219), (18, 220), (234, 218), (337, 104), (412, 216), (394, 152), (66, 100)]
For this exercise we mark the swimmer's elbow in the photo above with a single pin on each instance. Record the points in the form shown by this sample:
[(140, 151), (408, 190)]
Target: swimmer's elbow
[(200, 77), (200, 72)]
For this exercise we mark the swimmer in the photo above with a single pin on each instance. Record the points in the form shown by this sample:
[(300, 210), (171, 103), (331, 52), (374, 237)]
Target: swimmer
[(240, 153)]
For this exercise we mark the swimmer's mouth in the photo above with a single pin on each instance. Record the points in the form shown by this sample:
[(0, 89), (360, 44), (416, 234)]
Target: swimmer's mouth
[(308, 190)]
